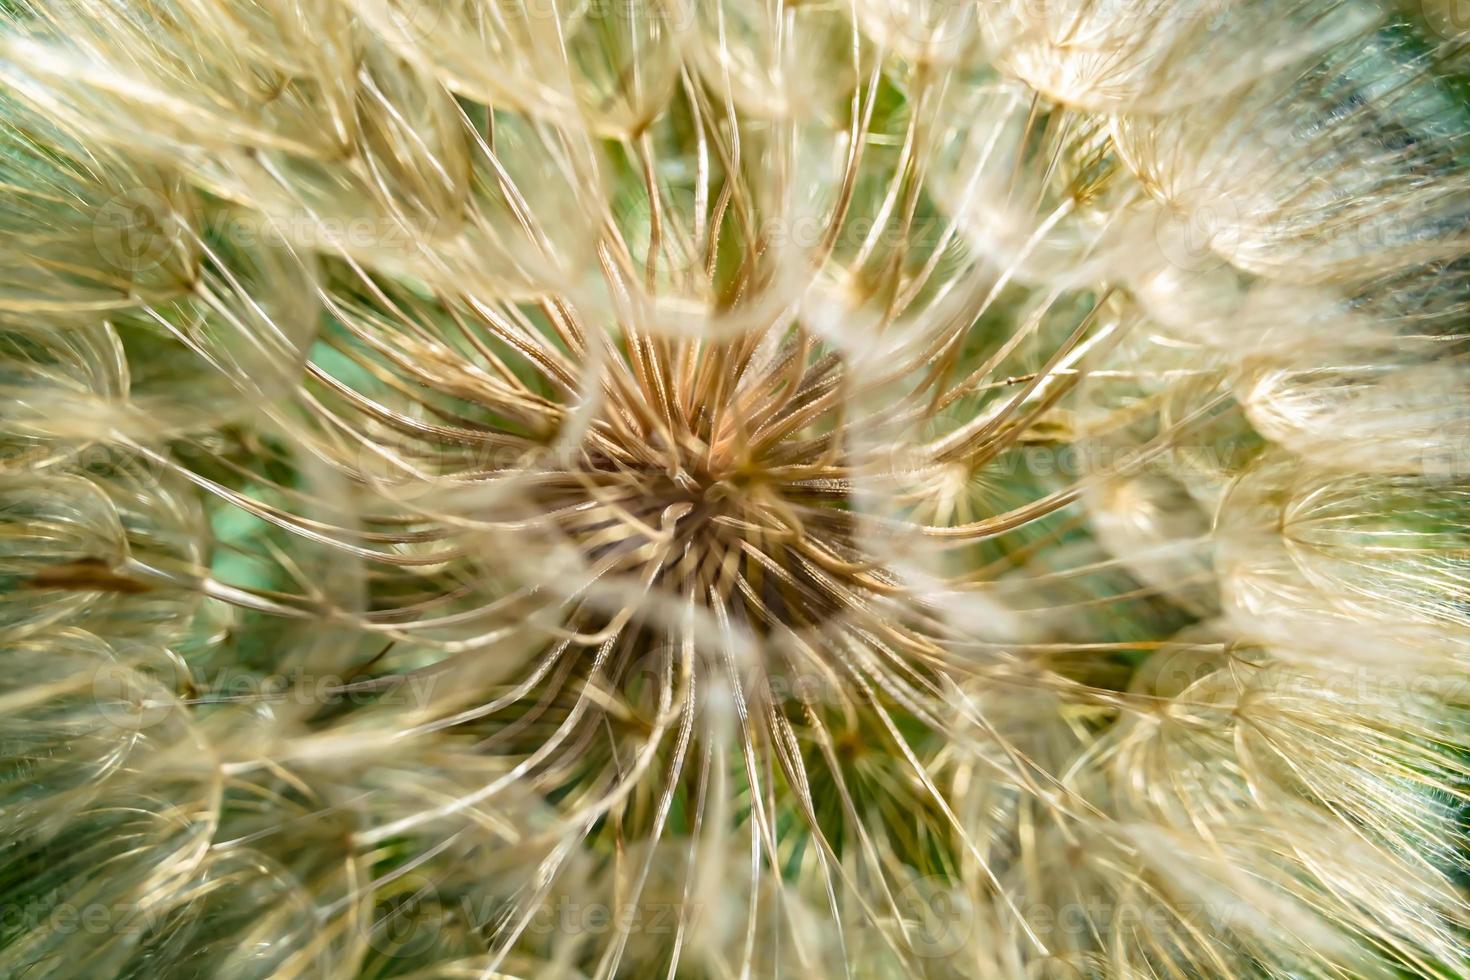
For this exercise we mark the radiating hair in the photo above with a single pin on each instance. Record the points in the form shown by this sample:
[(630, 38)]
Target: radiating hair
[(662, 488)]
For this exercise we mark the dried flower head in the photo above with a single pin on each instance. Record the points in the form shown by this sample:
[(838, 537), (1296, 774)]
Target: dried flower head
[(683, 488)]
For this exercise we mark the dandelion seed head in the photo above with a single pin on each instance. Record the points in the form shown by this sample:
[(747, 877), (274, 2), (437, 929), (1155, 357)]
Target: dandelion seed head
[(693, 488)]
